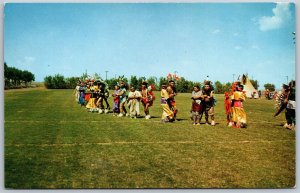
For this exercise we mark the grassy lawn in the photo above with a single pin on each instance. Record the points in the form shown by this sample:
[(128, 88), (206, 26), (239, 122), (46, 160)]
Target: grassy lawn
[(51, 142)]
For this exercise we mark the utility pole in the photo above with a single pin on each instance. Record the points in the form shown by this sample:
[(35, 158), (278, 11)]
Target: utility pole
[(233, 77), (106, 74)]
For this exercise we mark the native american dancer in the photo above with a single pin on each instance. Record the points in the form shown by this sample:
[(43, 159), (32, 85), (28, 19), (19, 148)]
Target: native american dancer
[(147, 98), (288, 102), (87, 92), (123, 97), (209, 102), (238, 114), (171, 100), (197, 106), (227, 106), (77, 92), (134, 102), (82, 89), (102, 95), (168, 114), (116, 103), (93, 95)]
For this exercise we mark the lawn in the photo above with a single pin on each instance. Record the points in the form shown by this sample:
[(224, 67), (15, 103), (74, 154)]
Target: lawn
[(51, 142)]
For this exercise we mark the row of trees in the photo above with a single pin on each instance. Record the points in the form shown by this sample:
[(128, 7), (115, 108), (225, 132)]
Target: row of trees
[(16, 78), (182, 85), (60, 82)]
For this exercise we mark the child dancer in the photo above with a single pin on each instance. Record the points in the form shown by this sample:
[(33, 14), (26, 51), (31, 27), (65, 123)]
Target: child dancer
[(133, 102)]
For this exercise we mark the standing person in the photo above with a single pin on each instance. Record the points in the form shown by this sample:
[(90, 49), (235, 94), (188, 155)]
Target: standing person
[(87, 92), (209, 102), (82, 89), (123, 99), (290, 113), (238, 115), (167, 115), (133, 102), (93, 94), (171, 100), (197, 107), (147, 98), (102, 95), (259, 94), (116, 105), (77, 92)]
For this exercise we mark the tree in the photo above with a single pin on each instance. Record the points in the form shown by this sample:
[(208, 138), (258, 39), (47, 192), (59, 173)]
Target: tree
[(254, 83), (219, 87), (270, 86), (27, 77), (162, 81), (48, 82), (134, 81), (227, 87)]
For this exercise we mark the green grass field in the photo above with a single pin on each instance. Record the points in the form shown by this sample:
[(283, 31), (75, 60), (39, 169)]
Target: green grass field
[(51, 142)]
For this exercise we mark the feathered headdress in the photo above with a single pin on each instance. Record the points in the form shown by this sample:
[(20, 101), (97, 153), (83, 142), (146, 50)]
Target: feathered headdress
[(172, 77)]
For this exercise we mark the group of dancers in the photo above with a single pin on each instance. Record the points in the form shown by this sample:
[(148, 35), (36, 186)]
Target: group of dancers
[(93, 95)]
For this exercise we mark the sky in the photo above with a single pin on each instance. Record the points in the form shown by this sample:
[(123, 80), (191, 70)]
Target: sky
[(195, 40)]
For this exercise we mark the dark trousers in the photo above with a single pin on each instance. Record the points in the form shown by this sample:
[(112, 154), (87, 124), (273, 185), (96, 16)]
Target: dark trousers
[(290, 116)]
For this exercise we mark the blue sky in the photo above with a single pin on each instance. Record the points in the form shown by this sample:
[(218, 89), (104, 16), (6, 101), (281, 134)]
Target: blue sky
[(195, 39)]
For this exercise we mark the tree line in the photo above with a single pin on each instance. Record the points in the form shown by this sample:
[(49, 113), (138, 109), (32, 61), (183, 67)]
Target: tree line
[(16, 78), (182, 85)]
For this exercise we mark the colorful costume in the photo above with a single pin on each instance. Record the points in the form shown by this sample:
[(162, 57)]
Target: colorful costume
[(209, 102), (171, 100), (92, 101), (197, 107), (102, 95), (123, 97), (82, 89), (238, 114), (116, 105), (133, 103), (168, 114), (147, 98)]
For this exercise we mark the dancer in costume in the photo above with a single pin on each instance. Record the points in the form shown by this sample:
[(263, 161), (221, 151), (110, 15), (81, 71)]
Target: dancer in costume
[(197, 107), (238, 114), (123, 97), (116, 105), (102, 95), (168, 114), (290, 113), (227, 106), (133, 102), (93, 94), (87, 92), (287, 101), (171, 100), (147, 98), (76, 92), (209, 102), (82, 89)]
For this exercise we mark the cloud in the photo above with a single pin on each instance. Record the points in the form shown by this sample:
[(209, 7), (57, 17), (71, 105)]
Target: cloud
[(216, 31), (281, 16), (29, 60), (237, 47)]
